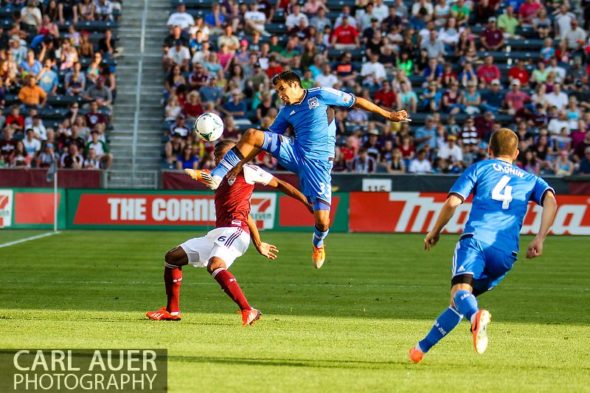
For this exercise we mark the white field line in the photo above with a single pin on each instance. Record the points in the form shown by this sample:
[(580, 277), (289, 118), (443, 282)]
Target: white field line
[(26, 239)]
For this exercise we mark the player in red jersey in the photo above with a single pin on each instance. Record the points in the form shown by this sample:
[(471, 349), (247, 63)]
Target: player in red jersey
[(234, 227)]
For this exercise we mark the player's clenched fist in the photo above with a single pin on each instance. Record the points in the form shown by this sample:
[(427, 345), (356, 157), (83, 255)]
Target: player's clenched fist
[(399, 116)]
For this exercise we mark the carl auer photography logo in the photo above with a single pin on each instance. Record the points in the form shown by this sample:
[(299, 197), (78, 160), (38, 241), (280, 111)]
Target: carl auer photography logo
[(83, 370)]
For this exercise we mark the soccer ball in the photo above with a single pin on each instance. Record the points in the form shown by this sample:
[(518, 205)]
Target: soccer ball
[(209, 127)]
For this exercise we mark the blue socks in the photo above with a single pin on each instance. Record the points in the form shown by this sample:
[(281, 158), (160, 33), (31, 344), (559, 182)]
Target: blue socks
[(230, 160), (319, 236), (443, 325), (466, 303)]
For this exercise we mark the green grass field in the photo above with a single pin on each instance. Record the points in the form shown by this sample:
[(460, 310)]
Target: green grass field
[(344, 328)]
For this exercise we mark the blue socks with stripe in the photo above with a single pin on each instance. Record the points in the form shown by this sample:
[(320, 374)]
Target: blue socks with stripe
[(443, 325), (319, 236), (230, 160), (466, 303)]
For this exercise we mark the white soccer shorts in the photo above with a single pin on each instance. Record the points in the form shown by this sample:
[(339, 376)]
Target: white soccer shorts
[(226, 243)]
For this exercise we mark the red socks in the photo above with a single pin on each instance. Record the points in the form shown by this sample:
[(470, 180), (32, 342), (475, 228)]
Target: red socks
[(231, 287), (172, 280)]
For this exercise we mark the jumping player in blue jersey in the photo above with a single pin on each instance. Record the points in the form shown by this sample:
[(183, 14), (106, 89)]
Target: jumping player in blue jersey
[(309, 154), (488, 247)]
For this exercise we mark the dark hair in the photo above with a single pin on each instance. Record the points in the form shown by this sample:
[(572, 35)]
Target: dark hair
[(288, 77), (222, 145)]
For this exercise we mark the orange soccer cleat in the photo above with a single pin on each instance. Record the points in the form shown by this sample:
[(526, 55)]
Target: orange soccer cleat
[(162, 315), (250, 316), (204, 176), (319, 256), (478, 329), (416, 355)]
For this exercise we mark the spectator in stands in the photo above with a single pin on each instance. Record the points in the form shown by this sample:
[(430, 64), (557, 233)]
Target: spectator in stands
[(326, 78), (425, 136), (563, 166), (558, 124), (296, 18), (563, 20), (527, 12), (508, 22), (104, 10), (87, 10), (345, 36), (519, 72), (46, 156), (229, 39), (177, 55), (255, 20), (180, 18), (492, 38), (101, 94), (31, 144), (575, 37), (373, 72), (38, 127), (451, 99), (18, 51), (31, 16), (556, 69), (450, 151), (433, 46), (47, 78), (15, 119), (192, 107), (364, 163), (542, 23), (420, 165), (101, 150), (407, 99), (237, 108), (31, 94), (31, 66), (72, 159), (516, 98), (215, 19), (461, 12), (488, 72), (320, 20), (19, 158), (471, 99), (557, 98), (212, 92), (345, 14)]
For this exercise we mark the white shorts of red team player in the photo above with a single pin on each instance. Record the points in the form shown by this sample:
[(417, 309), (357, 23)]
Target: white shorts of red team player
[(226, 243)]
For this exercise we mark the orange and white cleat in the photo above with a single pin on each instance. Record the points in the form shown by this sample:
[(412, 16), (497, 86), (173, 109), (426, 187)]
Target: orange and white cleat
[(204, 177), (416, 355), (162, 315), (250, 316), (478, 329), (319, 256)]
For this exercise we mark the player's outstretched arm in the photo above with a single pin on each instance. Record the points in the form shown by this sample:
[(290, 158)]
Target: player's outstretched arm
[(367, 105), (535, 247), (288, 189), (444, 216), (269, 251)]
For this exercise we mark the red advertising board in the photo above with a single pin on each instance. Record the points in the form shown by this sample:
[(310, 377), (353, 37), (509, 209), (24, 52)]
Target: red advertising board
[(415, 212), (34, 207), (292, 213), (144, 209)]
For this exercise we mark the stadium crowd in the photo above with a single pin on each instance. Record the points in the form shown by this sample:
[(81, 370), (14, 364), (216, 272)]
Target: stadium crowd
[(57, 82), (461, 68)]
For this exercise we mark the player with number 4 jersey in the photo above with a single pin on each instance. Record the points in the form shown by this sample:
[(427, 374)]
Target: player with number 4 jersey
[(234, 227), (309, 113), (488, 247)]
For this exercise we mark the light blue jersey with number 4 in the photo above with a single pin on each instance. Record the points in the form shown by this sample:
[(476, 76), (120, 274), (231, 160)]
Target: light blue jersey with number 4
[(501, 193)]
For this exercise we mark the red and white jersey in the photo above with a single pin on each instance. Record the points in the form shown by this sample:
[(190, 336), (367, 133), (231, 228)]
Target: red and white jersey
[(232, 197)]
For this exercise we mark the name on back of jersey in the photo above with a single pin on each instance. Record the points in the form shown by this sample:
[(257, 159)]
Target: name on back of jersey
[(508, 169)]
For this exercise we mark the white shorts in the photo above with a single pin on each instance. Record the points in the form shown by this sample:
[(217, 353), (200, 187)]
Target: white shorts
[(226, 243)]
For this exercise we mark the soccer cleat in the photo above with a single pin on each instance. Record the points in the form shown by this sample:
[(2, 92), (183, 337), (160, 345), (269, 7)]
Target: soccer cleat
[(319, 256), (250, 316), (162, 315), (415, 355), (204, 176), (478, 329)]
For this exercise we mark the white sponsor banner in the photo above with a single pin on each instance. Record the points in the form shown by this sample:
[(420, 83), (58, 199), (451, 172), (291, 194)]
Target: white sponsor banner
[(6, 198), (376, 185)]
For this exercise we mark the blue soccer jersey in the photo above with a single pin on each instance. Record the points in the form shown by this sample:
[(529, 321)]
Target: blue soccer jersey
[(501, 193), (313, 122)]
